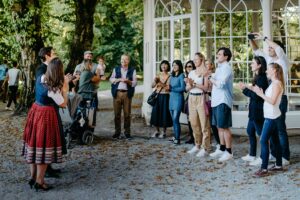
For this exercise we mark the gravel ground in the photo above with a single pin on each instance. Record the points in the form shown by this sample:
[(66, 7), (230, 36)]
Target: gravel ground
[(141, 168)]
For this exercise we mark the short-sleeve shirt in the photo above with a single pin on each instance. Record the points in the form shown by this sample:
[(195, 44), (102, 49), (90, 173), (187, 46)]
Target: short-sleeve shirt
[(86, 86), (13, 75)]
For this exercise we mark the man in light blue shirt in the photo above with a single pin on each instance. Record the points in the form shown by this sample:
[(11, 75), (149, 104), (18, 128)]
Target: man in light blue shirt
[(221, 102), (3, 85)]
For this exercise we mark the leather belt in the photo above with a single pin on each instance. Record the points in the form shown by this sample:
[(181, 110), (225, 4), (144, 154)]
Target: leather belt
[(196, 94), (122, 90)]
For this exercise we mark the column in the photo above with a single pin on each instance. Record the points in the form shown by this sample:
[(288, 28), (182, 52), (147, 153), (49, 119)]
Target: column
[(194, 28), (148, 62), (267, 20), (209, 41)]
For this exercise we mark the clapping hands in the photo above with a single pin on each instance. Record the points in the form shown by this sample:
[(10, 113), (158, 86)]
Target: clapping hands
[(258, 90)]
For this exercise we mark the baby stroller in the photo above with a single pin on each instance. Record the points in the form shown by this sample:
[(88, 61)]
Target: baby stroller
[(79, 120)]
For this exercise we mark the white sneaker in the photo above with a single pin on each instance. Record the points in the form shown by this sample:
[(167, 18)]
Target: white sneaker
[(201, 153), (162, 135), (217, 153), (285, 162), (226, 156), (248, 158), (8, 108), (155, 134), (272, 158), (193, 150), (256, 162)]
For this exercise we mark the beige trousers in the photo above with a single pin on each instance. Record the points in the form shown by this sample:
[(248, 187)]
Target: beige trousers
[(199, 121)]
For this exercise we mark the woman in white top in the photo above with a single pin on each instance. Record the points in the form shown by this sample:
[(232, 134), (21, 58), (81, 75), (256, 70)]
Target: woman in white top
[(197, 85), (272, 98)]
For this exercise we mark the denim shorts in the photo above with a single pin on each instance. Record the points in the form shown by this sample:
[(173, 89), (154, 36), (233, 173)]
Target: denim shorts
[(221, 116)]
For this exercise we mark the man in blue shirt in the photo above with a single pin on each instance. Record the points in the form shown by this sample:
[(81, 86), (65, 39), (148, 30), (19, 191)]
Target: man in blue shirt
[(221, 102), (3, 82)]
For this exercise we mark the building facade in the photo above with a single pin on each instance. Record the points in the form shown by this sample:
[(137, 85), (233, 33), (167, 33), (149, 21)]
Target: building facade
[(176, 29)]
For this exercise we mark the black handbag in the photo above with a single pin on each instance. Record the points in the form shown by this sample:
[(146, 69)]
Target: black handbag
[(153, 97)]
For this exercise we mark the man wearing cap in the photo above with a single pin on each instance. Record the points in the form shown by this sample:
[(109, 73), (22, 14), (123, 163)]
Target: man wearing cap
[(87, 55)]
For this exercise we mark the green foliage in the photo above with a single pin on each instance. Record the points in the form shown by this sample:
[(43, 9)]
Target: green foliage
[(118, 30)]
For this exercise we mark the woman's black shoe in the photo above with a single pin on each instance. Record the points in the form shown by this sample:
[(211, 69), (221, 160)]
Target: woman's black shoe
[(31, 182), (42, 187)]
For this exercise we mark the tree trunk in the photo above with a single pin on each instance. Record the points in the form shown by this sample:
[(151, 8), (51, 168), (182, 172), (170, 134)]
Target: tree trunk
[(29, 50), (83, 36)]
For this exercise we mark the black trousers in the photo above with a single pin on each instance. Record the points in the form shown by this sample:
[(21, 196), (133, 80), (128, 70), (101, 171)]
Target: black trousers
[(12, 95)]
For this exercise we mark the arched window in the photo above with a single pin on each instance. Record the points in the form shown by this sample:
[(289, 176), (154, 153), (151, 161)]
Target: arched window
[(286, 28), (227, 23), (172, 30)]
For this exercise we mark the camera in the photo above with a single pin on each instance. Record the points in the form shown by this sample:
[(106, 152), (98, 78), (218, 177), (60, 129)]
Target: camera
[(251, 36)]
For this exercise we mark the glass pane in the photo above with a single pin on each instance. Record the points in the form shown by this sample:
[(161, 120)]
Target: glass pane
[(177, 29), (166, 50), (158, 51), (176, 9), (222, 42), (166, 30), (167, 10), (241, 72), (186, 28), (186, 50), (222, 25), (295, 77), (157, 67), (294, 48), (239, 24), (177, 50), (186, 6), (240, 49), (158, 9), (158, 31)]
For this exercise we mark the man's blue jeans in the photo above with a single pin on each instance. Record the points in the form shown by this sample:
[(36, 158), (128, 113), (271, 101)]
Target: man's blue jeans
[(281, 129), (252, 128), (269, 132), (175, 114)]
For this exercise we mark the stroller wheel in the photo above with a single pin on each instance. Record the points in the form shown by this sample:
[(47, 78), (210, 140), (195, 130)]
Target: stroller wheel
[(87, 137), (68, 140)]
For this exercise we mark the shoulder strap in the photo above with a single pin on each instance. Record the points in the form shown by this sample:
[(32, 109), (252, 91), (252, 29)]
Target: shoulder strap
[(164, 83)]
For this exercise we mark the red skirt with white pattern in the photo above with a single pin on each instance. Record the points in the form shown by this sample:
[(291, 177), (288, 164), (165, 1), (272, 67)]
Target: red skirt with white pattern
[(42, 142)]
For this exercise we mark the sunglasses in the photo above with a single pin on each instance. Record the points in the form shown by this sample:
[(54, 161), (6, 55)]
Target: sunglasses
[(189, 66)]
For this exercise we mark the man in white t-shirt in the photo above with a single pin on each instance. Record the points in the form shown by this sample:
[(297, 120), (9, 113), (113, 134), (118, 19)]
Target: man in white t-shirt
[(13, 76), (277, 55)]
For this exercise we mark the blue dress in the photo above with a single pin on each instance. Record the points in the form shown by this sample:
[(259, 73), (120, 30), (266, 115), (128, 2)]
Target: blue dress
[(177, 88)]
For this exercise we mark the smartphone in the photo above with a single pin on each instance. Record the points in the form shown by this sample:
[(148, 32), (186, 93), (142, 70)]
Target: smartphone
[(251, 36)]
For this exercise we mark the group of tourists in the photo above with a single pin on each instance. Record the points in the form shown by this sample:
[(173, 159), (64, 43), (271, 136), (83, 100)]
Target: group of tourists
[(208, 105), (43, 137), (209, 99)]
